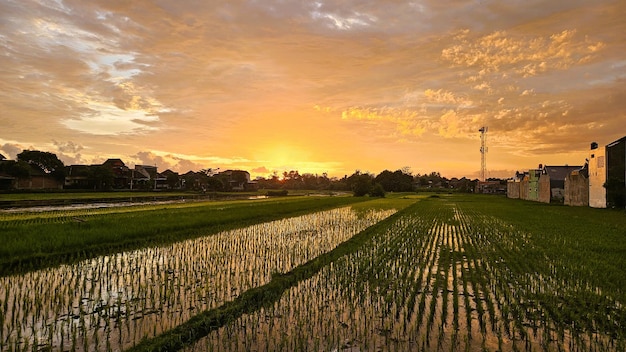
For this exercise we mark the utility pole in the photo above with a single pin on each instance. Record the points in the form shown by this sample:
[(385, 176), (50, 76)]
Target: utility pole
[(483, 152)]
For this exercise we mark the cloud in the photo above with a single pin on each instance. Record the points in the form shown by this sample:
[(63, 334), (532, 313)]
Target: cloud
[(149, 158), (522, 54), (212, 80), (449, 125), (11, 150), (447, 98), (261, 170), (68, 147), (400, 122)]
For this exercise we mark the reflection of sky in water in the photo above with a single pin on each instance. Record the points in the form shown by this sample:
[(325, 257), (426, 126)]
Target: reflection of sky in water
[(126, 296)]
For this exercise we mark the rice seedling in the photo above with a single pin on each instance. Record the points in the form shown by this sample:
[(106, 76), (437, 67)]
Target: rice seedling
[(33, 241), (409, 285), (114, 301)]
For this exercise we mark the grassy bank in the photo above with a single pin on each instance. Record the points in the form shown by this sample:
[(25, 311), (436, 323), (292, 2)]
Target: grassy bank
[(32, 241)]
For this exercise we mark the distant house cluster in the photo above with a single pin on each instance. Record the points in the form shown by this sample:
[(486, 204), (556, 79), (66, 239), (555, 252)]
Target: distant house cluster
[(114, 174), (599, 183)]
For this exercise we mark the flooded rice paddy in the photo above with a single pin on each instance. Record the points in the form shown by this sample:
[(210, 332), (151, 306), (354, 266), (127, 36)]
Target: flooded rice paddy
[(112, 302), (442, 278)]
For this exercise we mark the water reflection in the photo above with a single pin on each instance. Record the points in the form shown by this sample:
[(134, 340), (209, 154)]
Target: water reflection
[(112, 302)]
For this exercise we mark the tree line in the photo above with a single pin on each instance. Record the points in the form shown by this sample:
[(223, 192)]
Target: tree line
[(360, 183)]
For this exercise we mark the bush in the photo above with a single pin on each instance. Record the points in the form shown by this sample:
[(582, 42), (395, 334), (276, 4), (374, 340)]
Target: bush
[(377, 191)]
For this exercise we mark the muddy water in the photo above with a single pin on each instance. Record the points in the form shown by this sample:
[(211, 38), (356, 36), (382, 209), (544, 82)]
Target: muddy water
[(112, 302)]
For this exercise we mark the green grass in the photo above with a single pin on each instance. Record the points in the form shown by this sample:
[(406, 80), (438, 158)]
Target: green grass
[(32, 241)]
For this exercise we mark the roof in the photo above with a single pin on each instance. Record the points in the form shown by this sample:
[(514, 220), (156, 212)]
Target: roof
[(2, 157), (114, 163), (559, 172), (614, 143)]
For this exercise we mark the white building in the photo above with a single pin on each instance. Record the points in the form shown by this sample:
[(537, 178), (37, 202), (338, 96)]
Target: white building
[(597, 176)]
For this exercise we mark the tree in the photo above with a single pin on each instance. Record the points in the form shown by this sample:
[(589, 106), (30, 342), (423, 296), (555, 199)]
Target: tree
[(377, 191), (359, 183), (397, 181), (48, 162), (17, 169)]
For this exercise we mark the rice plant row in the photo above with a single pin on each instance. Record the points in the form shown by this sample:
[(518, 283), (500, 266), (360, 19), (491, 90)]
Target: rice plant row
[(112, 302), (443, 277)]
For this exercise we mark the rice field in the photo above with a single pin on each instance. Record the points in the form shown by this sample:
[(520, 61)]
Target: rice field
[(112, 302), (446, 273), (441, 277)]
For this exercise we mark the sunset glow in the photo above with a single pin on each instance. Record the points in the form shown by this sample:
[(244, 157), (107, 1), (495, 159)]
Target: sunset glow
[(321, 86)]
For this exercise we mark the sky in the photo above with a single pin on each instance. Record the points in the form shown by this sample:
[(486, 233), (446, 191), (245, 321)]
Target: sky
[(329, 86)]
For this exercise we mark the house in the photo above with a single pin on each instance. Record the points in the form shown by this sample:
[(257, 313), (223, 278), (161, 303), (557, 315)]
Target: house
[(172, 179), (616, 174), (531, 184), (7, 180), (121, 173), (597, 176), (514, 184), (490, 187), (143, 177), (78, 177), (551, 184), (237, 180), (576, 188), (38, 179)]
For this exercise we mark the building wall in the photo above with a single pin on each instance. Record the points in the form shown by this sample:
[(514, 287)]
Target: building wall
[(523, 188), (597, 178), (533, 184), (38, 182), (543, 188), (513, 189), (616, 174), (576, 189)]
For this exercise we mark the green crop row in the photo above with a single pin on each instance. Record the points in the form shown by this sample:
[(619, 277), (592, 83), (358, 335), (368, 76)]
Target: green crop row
[(29, 241), (455, 273)]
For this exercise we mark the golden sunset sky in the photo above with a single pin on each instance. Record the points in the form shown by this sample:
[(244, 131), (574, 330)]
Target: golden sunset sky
[(315, 86)]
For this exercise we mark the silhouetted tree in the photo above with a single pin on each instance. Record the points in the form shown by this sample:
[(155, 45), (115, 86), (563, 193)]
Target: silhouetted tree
[(48, 162), (359, 183), (17, 169), (396, 181), (377, 191)]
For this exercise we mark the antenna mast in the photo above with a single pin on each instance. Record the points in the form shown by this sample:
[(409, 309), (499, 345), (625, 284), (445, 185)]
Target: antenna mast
[(483, 152)]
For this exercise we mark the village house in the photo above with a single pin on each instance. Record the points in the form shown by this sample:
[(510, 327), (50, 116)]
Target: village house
[(237, 180), (576, 188), (552, 183)]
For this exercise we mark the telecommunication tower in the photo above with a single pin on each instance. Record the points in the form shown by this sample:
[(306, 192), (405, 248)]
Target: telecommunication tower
[(483, 152)]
